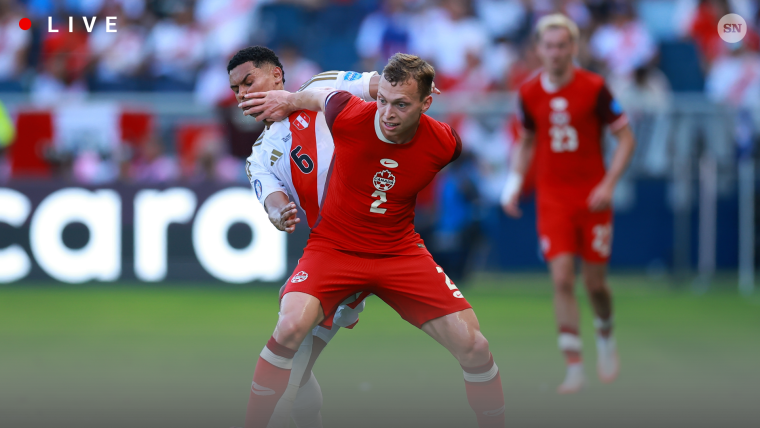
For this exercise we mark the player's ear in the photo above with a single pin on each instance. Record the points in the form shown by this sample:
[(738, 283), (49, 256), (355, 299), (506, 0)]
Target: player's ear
[(426, 103), (277, 73)]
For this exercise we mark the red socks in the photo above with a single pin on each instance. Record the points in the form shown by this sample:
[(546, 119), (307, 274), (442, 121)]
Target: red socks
[(269, 383), (483, 384)]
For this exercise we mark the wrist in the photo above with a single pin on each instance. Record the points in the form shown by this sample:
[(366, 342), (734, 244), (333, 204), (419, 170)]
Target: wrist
[(291, 102), (511, 187), (609, 182)]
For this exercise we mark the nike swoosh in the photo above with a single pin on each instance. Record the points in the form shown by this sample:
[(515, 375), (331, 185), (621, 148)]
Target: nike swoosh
[(496, 412), (388, 163), (262, 390)]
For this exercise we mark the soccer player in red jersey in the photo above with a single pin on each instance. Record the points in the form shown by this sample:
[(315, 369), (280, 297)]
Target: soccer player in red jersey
[(364, 239), (564, 112)]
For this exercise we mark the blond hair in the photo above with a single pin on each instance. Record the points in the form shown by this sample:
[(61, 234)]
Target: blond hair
[(557, 20)]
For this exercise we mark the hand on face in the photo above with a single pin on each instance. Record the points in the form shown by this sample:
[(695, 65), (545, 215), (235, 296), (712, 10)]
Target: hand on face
[(247, 79), (272, 106)]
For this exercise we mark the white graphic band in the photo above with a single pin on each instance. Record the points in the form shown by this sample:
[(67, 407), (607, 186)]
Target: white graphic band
[(481, 377), (276, 360)]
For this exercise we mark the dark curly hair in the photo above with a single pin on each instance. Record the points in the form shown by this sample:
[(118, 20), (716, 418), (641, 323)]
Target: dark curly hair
[(258, 55), (402, 67)]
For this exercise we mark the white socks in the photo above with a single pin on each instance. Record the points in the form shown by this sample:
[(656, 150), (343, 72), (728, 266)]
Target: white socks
[(306, 410)]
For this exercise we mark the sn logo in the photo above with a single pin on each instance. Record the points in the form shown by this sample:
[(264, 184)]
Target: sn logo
[(732, 28)]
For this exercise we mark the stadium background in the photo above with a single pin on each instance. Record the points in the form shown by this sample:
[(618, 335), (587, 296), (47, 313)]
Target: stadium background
[(147, 343)]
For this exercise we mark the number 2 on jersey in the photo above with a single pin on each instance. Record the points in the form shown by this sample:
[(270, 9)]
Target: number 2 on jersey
[(375, 208), (451, 285)]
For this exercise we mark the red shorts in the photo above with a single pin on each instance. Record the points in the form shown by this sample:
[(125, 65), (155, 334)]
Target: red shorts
[(413, 285), (575, 230)]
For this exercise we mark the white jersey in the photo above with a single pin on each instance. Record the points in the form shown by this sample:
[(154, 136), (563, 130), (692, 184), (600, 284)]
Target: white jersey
[(294, 155)]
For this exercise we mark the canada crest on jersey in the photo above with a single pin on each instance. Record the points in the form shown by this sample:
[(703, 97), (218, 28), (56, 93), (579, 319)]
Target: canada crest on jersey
[(299, 277), (384, 180), (301, 121)]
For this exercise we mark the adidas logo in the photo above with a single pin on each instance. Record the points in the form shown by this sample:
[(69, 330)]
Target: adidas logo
[(262, 390)]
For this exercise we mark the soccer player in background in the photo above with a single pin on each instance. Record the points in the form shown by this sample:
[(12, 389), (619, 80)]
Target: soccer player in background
[(364, 238), (564, 112), (292, 158)]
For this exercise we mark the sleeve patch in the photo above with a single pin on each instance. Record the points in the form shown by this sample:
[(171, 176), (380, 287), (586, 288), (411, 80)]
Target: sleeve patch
[(257, 188), (616, 107), (352, 75)]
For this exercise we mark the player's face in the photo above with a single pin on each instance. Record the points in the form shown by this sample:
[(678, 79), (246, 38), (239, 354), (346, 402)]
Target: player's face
[(400, 109), (247, 78), (556, 49)]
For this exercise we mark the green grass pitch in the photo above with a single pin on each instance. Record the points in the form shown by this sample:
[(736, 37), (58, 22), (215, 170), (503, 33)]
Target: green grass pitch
[(183, 356)]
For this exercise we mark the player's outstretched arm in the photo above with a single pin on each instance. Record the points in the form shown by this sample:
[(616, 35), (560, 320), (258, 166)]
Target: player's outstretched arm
[(601, 197), (277, 105), (510, 196), (282, 212)]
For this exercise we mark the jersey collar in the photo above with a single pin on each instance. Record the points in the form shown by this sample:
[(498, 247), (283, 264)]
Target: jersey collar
[(550, 87), (378, 131)]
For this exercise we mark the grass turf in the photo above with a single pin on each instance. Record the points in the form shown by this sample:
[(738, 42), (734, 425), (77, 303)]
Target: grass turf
[(166, 356)]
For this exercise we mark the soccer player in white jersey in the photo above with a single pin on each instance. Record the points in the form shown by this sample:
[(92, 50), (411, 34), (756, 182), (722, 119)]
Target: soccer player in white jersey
[(292, 158)]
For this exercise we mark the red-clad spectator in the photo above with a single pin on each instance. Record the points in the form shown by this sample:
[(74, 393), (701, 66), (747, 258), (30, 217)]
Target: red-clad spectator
[(703, 28), (65, 57), (70, 47)]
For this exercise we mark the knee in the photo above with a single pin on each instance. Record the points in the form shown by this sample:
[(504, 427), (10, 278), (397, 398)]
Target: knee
[(596, 287), (564, 284), (474, 352), (291, 331)]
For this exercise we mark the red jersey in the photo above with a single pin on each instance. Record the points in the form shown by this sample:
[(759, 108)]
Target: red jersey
[(568, 123), (373, 183)]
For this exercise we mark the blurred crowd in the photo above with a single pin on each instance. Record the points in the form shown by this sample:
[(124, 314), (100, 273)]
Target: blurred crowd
[(646, 49), (475, 45)]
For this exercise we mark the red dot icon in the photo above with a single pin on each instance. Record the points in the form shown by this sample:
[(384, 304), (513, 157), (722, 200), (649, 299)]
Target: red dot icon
[(25, 24)]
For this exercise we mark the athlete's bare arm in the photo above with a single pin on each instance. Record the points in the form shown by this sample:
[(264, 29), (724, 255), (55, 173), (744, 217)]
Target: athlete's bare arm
[(374, 81), (600, 198), (277, 105), (526, 148), (282, 212)]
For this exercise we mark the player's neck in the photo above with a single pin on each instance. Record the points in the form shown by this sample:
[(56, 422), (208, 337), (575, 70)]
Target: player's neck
[(559, 80), (402, 139), (398, 139)]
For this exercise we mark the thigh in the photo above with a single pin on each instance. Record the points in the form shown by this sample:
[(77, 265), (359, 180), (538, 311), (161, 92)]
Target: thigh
[(418, 289), (597, 236), (329, 275), (557, 232)]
